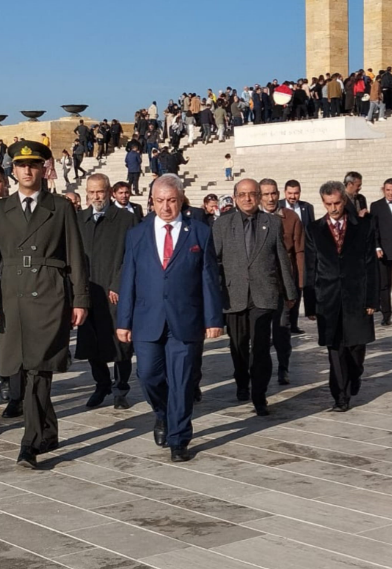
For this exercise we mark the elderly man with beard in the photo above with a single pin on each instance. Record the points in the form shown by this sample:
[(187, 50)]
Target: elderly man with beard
[(103, 227)]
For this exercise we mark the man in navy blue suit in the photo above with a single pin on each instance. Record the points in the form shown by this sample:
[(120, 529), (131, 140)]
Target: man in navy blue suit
[(169, 301)]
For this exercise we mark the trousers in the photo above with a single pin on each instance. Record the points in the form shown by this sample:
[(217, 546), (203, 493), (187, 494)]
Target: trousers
[(281, 336), (385, 287), (133, 179), (165, 370), (249, 332), (346, 366), (101, 374), (39, 417)]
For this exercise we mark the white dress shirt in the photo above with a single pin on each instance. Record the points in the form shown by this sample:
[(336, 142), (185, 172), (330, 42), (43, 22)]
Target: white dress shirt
[(33, 204), (160, 233), (128, 206), (296, 208)]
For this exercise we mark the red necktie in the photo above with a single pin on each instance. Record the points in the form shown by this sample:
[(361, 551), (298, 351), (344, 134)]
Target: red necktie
[(168, 246)]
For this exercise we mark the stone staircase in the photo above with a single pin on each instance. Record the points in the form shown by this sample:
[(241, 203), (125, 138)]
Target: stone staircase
[(311, 164)]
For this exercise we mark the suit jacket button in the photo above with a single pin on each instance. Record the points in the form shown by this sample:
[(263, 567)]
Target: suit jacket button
[(19, 295), (19, 272), (34, 294), (33, 248), (34, 270)]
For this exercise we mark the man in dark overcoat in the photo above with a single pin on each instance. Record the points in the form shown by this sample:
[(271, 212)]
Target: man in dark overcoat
[(341, 289), (381, 211), (103, 227), (44, 288)]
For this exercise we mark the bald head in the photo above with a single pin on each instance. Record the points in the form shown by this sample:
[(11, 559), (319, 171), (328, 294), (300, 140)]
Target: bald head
[(247, 196)]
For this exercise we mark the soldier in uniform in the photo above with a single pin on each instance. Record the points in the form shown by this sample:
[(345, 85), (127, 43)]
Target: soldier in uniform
[(44, 289)]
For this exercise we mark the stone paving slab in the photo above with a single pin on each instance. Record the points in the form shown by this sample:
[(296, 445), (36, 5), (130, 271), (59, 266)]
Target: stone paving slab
[(302, 488)]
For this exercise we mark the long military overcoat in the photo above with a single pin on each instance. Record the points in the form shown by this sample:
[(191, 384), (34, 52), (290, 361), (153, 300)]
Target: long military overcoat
[(43, 276), (104, 244)]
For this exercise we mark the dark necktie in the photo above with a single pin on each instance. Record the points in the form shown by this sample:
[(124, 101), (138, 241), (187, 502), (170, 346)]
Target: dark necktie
[(168, 246), (250, 235), (27, 211)]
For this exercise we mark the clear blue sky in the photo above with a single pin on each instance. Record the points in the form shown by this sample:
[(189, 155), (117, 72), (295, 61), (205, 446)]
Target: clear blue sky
[(119, 55)]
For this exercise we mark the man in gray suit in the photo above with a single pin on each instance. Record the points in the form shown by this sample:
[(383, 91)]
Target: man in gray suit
[(255, 265)]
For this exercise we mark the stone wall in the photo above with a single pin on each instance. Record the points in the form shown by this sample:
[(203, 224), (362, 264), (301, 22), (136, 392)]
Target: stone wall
[(377, 34), (60, 132), (326, 37)]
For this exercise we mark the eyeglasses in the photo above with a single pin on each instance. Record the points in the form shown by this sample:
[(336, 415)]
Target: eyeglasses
[(243, 195)]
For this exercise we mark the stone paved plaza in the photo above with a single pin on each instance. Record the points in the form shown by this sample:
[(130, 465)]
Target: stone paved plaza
[(304, 488)]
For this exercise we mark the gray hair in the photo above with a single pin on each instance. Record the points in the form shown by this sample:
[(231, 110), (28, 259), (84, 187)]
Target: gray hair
[(350, 177), (169, 181), (331, 187), (100, 178), (268, 182)]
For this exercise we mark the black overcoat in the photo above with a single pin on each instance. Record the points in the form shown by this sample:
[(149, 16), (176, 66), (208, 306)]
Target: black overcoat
[(44, 275), (104, 244), (343, 283), (382, 219)]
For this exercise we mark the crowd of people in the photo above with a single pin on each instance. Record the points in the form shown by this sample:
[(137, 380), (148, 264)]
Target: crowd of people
[(160, 285), (363, 93)]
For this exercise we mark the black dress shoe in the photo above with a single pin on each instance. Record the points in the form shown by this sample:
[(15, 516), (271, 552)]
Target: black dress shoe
[(27, 458), (120, 402), (160, 433), (197, 395), (341, 407), (97, 397), (180, 454), (48, 446), (13, 409), (243, 394), (296, 330), (386, 322), (262, 410)]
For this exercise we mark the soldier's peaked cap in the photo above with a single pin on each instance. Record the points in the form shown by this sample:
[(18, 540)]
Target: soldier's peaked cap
[(29, 150)]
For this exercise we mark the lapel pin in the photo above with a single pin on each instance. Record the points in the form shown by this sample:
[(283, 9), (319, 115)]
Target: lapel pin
[(189, 213), (264, 227), (186, 229)]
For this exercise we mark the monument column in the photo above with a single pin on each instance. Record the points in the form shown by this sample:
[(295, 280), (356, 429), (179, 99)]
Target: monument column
[(326, 37), (377, 34)]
